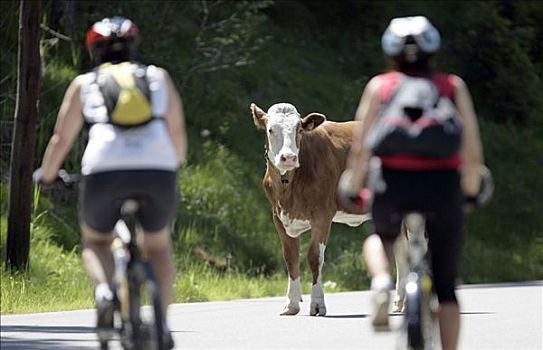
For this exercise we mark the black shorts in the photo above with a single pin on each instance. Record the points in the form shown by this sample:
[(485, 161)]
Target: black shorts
[(101, 196), (437, 195)]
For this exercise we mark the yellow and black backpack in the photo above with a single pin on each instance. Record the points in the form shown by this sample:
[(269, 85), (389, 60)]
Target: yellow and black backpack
[(126, 93)]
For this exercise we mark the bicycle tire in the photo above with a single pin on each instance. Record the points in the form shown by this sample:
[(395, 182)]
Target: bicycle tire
[(130, 299), (140, 332), (156, 326), (414, 315)]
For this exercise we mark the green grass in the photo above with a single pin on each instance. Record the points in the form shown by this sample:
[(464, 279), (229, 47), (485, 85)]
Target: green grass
[(56, 281)]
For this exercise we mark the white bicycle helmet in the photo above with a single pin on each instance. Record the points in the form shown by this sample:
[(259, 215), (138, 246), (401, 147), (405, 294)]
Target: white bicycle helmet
[(424, 34)]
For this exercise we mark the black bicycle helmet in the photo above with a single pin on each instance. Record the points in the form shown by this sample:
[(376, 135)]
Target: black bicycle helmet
[(112, 37), (410, 36)]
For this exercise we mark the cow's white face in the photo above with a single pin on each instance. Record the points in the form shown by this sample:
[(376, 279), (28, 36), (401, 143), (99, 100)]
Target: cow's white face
[(284, 129)]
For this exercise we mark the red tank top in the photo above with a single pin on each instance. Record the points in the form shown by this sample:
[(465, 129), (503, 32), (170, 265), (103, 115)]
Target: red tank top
[(446, 85)]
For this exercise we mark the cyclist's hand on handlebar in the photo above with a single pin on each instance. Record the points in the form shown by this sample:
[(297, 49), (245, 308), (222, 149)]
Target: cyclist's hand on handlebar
[(63, 177), (485, 193), (37, 177), (356, 202), (361, 198), (470, 203)]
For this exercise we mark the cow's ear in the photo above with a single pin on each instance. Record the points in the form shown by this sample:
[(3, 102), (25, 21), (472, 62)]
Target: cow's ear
[(312, 120), (259, 116)]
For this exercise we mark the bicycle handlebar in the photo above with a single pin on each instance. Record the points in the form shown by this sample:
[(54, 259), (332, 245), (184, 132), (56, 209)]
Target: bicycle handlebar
[(361, 201), (63, 177), (68, 179)]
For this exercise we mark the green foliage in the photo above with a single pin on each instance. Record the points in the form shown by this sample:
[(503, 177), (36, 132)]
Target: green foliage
[(508, 234), (223, 212), (497, 65)]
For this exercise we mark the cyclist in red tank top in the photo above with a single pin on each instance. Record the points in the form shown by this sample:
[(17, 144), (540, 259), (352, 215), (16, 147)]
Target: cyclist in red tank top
[(435, 187)]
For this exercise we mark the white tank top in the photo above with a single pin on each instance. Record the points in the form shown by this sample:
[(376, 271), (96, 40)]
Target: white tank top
[(146, 147)]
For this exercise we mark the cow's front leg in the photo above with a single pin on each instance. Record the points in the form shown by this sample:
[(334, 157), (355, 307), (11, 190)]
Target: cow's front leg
[(401, 257), (315, 257), (291, 254)]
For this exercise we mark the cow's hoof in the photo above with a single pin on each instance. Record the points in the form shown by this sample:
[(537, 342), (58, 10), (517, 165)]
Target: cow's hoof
[(290, 310), (397, 306), (317, 309)]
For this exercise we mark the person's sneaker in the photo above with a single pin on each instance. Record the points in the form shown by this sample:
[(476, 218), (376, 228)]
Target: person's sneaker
[(379, 316), (104, 311), (380, 302)]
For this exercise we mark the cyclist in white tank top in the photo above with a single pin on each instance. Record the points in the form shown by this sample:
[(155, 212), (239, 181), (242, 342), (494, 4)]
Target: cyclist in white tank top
[(112, 147), (121, 162)]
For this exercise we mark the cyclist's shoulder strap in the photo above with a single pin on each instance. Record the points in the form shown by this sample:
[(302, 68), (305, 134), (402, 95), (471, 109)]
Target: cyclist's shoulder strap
[(446, 84), (388, 82)]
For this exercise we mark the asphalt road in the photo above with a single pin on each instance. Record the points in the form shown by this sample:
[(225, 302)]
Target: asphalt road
[(500, 316)]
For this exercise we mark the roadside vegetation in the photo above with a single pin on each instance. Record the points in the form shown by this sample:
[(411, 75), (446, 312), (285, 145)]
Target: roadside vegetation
[(317, 55)]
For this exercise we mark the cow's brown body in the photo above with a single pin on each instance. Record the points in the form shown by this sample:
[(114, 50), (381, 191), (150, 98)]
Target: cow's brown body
[(308, 192)]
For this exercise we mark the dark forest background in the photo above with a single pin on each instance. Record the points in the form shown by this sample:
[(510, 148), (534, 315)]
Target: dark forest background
[(317, 55)]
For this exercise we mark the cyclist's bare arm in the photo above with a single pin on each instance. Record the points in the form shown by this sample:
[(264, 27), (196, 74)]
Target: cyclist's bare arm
[(69, 123), (175, 120), (366, 113), (471, 149)]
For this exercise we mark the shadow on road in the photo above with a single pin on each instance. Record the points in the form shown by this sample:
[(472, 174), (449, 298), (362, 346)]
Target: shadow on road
[(16, 343), (359, 315), (9, 343), (46, 329), (401, 314), (502, 285), (347, 316), (477, 313)]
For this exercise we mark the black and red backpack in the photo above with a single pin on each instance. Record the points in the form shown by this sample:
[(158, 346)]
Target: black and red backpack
[(418, 117)]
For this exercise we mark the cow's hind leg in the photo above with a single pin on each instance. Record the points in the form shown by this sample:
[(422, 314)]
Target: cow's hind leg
[(291, 254), (315, 257), (401, 256)]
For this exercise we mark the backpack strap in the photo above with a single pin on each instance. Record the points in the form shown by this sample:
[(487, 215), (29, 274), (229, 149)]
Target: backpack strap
[(109, 95), (392, 83), (389, 81), (446, 83)]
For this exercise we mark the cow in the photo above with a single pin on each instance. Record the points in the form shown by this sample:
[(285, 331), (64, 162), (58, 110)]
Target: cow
[(305, 158)]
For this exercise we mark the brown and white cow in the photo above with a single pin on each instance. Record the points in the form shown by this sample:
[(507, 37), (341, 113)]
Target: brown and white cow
[(305, 159)]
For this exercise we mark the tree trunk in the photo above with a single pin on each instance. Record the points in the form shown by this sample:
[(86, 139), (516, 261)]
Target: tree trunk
[(24, 135)]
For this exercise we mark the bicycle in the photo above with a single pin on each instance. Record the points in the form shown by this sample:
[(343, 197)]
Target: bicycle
[(133, 279), (420, 325), (421, 304), (134, 275)]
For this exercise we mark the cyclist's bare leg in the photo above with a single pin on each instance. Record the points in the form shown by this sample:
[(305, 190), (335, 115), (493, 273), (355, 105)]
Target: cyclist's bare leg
[(96, 255), (378, 255), (156, 248), (449, 325)]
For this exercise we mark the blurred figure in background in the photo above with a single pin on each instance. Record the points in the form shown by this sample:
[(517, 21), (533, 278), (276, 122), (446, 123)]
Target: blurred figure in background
[(438, 186)]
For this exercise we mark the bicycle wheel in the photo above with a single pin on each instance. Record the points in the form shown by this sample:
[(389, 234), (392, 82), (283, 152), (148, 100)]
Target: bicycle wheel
[(152, 320), (130, 299), (414, 313)]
